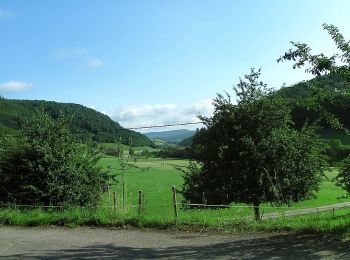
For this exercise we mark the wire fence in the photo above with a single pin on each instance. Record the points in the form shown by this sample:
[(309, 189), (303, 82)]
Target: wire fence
[(159, 199), (174, 207)]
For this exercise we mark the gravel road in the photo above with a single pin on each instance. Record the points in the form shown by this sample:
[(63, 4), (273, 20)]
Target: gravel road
[(296, 212), (90, 243)]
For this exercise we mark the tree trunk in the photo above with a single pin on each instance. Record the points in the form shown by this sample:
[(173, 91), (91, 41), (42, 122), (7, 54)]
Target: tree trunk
[(256, 207)]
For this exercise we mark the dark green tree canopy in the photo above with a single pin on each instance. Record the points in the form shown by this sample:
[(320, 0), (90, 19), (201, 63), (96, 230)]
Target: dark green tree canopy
[(249, 153)]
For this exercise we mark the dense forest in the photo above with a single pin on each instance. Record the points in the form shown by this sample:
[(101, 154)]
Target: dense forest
[(87, 124)]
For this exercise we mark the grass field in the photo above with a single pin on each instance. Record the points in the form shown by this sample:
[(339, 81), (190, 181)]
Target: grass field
[(155, 177), (156, 185)]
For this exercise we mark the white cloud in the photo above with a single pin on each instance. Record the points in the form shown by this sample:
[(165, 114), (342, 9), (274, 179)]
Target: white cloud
[(6, 14), (95, 63), (162, 114), (13, 86), (71, 53)]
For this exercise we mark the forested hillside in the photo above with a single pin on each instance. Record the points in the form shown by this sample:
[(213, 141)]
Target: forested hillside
[(87, 124), (302, 90), (300, 97)]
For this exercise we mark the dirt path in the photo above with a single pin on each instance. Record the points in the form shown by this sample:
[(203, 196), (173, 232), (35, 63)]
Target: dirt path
[(58, 243), (296, 212)]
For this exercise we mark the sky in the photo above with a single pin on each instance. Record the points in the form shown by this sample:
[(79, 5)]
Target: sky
[(154, 62)]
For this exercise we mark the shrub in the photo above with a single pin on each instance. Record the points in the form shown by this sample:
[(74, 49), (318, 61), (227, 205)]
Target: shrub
[(46, 166)]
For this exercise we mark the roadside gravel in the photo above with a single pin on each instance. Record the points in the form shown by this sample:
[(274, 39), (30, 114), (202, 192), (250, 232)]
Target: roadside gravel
[(96, 243)]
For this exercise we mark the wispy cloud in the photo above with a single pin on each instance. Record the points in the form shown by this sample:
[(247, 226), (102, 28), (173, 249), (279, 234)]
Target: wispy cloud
[(71, 53), (95, 63), (160, 114), (80, 53), (14, 86), (6, 14)]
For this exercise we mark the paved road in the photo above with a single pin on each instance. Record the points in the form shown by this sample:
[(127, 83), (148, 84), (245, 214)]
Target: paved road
[(59, 243)]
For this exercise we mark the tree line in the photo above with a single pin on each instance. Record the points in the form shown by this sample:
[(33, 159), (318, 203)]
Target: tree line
[(87, 124)]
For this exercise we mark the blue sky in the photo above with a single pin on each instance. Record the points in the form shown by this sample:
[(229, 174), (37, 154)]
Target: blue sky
[(153, 62)]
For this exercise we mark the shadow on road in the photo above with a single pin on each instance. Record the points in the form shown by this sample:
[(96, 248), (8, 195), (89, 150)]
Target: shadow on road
[(276, 247)]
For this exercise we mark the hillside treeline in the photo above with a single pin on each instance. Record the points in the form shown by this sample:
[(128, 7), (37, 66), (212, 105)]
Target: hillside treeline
[(87, 124), (300, 98)]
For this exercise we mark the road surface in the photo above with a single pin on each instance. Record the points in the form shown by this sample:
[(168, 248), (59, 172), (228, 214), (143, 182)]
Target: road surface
[(90, 243)]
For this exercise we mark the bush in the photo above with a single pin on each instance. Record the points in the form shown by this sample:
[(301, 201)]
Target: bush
[(46, 166)]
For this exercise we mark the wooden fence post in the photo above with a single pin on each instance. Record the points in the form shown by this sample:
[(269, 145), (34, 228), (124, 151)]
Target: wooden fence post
[(140, 202), (123, 190), (114, 200), (174, 201)]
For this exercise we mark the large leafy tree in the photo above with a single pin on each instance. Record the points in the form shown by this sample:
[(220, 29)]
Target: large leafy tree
[(338, 65), (249, 153), (46, 166)]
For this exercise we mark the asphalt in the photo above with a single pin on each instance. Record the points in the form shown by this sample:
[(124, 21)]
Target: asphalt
[(90, 243)]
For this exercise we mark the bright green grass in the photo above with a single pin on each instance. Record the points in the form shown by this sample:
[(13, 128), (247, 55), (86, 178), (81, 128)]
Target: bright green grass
[(337, 225), (156, 186), (153, 176)]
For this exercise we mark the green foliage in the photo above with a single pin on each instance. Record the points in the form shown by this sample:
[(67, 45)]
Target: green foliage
[(335, 151), (320, 64), (87, 124), (186, 141), (249, 153), (46, 166), (332, 105), (343, 178), (304, 89), (174, 151)]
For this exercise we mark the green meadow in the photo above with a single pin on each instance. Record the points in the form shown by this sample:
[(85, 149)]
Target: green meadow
[(155, 176)]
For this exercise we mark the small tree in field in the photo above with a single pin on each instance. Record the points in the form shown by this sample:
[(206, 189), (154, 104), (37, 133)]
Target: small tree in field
[(320, 64), (46, 166), (249, 153)]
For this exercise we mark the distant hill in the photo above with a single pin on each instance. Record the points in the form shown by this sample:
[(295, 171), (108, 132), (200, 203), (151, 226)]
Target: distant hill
[(172, 136), (300, 95), (302, 90), (87, 124)]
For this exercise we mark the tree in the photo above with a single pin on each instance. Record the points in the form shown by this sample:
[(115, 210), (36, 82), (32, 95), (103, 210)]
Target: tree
[(249, 153), (320, 64), (46, 166), (338, 65)]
